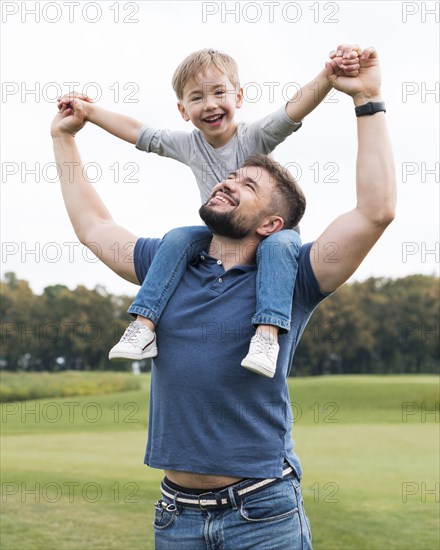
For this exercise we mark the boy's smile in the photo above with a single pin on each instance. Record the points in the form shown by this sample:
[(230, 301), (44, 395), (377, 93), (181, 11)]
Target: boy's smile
[(209, 101), (214, 120)]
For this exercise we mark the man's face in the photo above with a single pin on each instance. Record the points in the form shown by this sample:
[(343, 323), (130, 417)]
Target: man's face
[(209, 101), (238, 205)]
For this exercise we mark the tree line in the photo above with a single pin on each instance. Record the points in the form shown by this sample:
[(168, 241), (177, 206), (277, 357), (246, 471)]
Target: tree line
[(379, 326)]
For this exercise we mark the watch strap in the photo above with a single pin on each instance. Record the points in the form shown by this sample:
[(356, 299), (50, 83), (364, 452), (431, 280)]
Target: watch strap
[(370, 108)]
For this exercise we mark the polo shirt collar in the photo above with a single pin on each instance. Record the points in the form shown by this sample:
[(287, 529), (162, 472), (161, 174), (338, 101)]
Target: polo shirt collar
[(205, 258)]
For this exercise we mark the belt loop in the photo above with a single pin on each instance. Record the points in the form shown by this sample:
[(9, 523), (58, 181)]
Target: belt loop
[(175, 508), (232, 500), (218, 498), (199, 500)]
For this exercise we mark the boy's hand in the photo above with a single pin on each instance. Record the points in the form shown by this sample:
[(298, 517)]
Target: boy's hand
[(65, 102), (366, 85), (346, 59), (69, 120)]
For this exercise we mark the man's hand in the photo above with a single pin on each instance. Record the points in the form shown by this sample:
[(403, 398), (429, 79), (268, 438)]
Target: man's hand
[(69, 120), (346, 59), (65, 101), (366, 85)]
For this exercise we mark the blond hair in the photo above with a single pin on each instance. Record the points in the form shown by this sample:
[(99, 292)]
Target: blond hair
[(198, 62)]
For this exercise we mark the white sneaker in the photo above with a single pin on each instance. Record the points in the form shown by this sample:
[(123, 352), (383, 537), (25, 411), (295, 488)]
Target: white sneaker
[(137, 342), (263, 355)]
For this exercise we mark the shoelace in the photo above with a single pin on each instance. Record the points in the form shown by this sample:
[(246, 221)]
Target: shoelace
[(131, 332), (264, 346)]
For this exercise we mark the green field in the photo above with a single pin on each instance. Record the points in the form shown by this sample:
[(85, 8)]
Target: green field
[(73, 474), (17, 386)]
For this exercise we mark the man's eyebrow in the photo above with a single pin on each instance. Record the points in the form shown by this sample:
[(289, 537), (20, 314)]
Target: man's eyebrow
[(250, 180), (247, 179)]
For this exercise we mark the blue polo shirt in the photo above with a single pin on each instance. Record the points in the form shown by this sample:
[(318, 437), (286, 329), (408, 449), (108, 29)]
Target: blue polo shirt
[(208, 414)]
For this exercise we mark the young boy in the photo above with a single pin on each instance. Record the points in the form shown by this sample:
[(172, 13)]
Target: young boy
[(208, 91)]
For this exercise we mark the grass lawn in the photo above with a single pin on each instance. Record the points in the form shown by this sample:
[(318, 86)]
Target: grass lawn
[(73, 474)]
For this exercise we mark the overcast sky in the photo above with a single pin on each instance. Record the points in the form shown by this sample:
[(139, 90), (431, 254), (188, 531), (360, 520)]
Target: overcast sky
[(123, 54)]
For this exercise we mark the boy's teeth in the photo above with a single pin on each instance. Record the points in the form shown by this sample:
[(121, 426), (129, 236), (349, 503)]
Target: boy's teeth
[(213, 119)]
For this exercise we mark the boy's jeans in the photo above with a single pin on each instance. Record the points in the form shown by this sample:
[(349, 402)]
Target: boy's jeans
[(277, 267), (271, 519)]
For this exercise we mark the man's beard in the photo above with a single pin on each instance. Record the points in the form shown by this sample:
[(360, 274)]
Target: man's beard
[(226, 224)]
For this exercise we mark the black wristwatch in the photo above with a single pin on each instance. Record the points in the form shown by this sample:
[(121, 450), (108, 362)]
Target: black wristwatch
[(370, 108)]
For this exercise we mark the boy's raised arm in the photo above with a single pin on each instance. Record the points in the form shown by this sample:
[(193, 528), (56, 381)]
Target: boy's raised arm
[(92, 222), (309, 96), (121, 126)]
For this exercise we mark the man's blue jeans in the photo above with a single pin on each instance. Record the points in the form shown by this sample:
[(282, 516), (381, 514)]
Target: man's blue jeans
[(277, 267), (273, 518)]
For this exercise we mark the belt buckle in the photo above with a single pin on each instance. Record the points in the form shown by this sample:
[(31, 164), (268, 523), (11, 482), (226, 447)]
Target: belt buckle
[(200, 504)]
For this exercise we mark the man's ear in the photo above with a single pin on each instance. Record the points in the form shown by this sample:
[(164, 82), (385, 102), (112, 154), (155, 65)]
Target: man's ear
[(182, 111), (270, 225), (239, 98)]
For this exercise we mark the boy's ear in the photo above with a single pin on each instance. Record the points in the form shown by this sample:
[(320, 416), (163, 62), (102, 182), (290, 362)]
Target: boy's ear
[(270, 225), (182, 111), (239, 98)]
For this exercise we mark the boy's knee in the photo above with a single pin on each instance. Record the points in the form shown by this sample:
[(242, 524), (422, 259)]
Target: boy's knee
[(285, 237), (185, 236), (176, 234), (181, 236), (283, 244)]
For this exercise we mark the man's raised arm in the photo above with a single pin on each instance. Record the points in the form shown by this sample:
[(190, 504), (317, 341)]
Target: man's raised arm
[(91, 220), (352, 235)]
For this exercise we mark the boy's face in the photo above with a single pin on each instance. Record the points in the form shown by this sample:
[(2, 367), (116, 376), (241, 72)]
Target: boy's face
[(209, 102)]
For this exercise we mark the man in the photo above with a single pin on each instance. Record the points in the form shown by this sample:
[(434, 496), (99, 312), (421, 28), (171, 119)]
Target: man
[(221, 434)]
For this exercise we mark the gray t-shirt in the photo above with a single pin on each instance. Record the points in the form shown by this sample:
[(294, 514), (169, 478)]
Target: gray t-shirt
[(212, 165)]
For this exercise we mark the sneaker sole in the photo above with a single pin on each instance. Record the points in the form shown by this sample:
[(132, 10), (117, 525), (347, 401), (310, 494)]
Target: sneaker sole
[(258, 369), (117, 356)]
